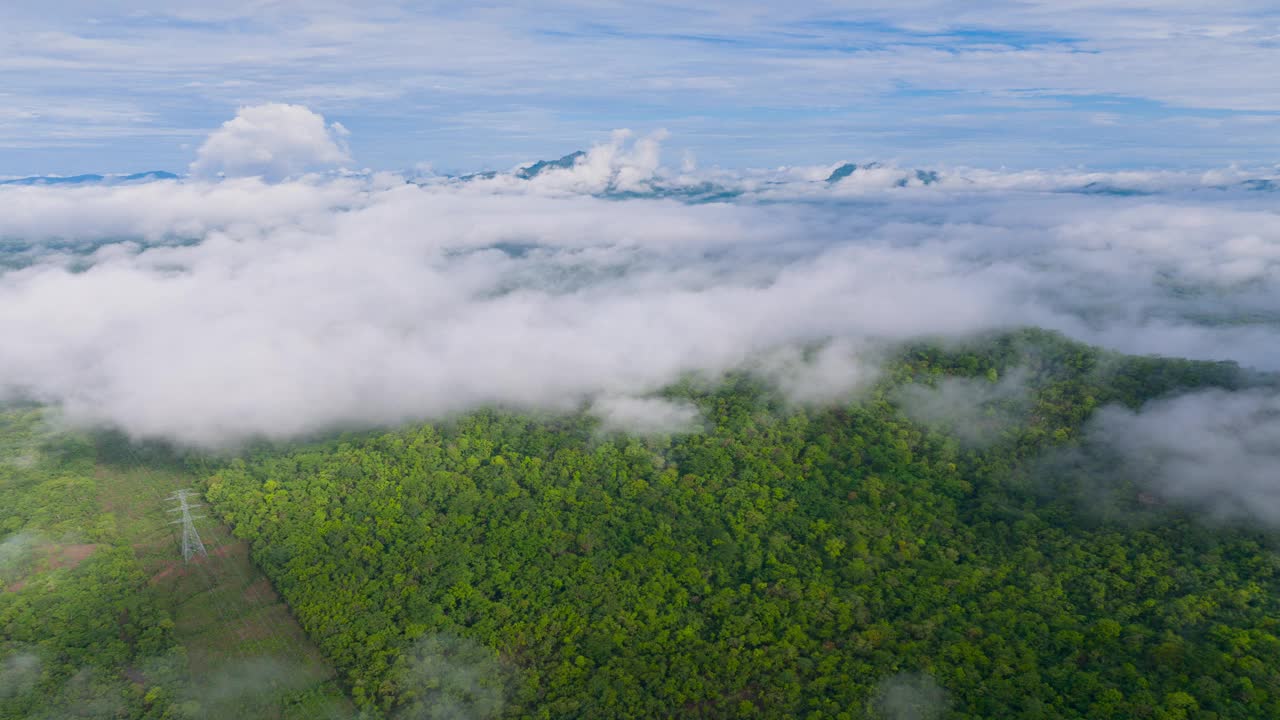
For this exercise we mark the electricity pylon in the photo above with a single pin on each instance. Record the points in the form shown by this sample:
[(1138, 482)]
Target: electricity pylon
[(191, 544)]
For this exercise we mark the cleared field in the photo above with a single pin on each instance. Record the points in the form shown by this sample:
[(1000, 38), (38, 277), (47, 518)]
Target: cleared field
[(246, 654), (100, 616)]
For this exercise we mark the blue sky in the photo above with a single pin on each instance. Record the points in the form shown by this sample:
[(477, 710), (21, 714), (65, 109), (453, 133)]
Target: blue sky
[(127, 85)]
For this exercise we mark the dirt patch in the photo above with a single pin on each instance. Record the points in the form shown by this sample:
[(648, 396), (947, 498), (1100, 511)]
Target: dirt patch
[(260, 591), (247, 630), (171, 569), (229, 550), (53, 557), (69, 556)]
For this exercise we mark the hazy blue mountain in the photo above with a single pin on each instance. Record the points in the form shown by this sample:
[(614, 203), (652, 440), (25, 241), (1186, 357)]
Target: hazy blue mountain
[(842, 172), (1100, 188), (704, 192), (484, 175), (528, 172), (925, 177), (148, 176), (536, 169), (91, 178), (54, 180), (1261, 184)]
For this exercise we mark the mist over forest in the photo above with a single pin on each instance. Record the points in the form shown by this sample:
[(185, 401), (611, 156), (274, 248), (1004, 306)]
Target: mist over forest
[(211, 312), (617, 433)]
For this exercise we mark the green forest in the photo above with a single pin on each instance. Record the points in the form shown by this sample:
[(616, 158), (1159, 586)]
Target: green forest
[(784, 562), (847, 560), (100, 617), (71, 636)]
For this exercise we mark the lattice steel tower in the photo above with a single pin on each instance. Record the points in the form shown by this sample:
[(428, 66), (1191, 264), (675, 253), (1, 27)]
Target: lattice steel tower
[(191, 544)]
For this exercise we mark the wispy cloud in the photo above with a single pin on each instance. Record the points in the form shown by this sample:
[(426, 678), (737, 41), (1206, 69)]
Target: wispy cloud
[(1212, 451), (766, 68)]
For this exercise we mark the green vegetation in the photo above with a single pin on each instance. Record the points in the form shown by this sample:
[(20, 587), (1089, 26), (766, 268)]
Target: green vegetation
[(99, 616), (785, 562), (949, 540)]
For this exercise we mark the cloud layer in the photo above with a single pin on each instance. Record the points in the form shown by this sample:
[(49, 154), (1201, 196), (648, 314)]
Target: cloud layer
[(214, 311)]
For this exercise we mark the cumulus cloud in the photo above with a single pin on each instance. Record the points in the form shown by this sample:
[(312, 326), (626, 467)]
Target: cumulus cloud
[(1215, 452), (272, 141)]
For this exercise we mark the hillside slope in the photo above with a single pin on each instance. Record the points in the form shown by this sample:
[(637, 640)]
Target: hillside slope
[(100, 617), (981, 561)]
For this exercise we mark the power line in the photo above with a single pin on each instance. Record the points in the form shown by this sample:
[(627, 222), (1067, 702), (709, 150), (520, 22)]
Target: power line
[(267, 638), (212, 582), (191, 544)]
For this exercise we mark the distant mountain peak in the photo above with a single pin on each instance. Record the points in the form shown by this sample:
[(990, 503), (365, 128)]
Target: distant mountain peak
[(1261, 184), (841, 173), (149, 175), (536, 169), (924, 177), (91, 178)]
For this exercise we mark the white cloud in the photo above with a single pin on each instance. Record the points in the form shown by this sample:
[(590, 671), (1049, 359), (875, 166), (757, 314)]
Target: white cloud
[(19, 673), (211, 312), (1214, 451), (975, 411), (272, 141), (644, 414), (624, 164), (909, 696), (401, 304), (818, 376)]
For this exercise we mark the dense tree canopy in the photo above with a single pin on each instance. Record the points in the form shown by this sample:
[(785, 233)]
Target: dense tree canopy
[(84, 636), (785, 561)]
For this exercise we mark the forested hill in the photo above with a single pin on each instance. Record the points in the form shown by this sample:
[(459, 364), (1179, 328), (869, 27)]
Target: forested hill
[(893, 554)]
